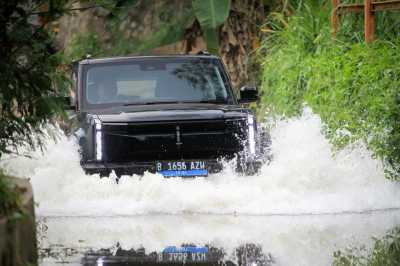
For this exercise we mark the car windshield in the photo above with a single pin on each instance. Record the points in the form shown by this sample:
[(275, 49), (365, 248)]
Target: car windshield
[(154, 81)]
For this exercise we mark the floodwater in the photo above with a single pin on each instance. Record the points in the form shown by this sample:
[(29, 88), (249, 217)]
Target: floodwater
[(304, 205)]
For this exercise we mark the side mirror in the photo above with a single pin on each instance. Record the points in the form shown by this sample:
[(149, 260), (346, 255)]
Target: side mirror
[(248, 94)]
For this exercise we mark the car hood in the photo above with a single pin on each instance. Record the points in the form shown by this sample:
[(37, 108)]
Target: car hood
[(170, 112)]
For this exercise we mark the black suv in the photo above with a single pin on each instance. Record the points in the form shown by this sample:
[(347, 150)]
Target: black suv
[(175, 115)]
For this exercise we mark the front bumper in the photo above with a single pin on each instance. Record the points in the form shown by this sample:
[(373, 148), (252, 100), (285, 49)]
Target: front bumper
[(139, 168)]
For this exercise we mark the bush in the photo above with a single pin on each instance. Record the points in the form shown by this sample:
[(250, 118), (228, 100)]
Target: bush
[(356, 91), (30, 80), (385, 252), (355, 88)]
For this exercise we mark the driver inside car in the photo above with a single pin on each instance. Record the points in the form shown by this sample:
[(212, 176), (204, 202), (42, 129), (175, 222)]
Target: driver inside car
[(106, 92)]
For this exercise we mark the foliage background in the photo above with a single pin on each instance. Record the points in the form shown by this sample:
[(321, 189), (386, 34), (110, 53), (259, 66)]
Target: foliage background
[(385, 252), (30, 78), (171, 27), (355, 88)]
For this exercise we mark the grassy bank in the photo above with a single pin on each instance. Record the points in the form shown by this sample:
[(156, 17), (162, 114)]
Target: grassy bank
[(385, 252), (355, 88)]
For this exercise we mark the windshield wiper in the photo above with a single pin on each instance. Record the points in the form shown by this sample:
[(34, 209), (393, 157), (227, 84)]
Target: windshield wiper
[(175, 102), (149, 103), (213, 101), (206, 101)]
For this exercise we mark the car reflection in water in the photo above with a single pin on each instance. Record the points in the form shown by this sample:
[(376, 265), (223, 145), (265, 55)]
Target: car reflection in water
[(244, 255)]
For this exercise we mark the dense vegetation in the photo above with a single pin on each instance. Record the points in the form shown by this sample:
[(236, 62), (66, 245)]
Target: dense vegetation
[(385, 252), (355, 88), (209, 14), (29, 72), (229, 28)]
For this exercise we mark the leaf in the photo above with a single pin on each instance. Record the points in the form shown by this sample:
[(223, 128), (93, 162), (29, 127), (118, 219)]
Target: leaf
[(211, 14), (211, 37)]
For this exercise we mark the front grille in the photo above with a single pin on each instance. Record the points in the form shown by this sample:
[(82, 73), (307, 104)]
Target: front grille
[(199, 139)]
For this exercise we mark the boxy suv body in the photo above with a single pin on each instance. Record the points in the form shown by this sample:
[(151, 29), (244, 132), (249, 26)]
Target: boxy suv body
[(175, 115)]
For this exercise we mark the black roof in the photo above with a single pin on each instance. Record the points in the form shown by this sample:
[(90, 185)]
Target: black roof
[(128, 58)]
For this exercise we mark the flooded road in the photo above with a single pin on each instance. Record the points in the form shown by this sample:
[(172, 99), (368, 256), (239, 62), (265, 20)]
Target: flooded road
[(304, 205), (283, 240)]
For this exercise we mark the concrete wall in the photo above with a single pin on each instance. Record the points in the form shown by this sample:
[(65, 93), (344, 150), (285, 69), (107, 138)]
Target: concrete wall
[(18, 245)]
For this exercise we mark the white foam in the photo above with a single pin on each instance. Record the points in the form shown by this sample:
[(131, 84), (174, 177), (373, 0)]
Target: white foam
[(303, 177)]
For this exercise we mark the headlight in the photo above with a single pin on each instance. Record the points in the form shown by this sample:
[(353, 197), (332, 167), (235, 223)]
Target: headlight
[(251, 134), (98, 140)]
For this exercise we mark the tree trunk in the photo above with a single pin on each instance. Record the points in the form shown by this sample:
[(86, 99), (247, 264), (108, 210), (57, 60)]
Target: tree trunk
[(239, 37)]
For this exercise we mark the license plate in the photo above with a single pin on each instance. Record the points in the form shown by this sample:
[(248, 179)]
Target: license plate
[(182, 168), (184, 254)]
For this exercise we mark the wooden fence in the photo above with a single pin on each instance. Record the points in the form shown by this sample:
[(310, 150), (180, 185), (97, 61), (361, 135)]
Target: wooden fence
[(369, 8)]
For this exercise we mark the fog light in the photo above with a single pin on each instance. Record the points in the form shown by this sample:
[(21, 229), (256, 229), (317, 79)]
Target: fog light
[(98, 138), (252, 136)]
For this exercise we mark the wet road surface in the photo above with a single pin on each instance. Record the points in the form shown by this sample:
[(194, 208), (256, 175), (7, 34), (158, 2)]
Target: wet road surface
[(233, 240)]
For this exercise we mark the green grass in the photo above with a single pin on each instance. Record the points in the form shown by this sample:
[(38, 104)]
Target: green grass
[(355, 88), (385, 252)]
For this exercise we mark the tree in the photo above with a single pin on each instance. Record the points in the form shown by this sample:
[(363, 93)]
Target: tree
[(229, 28), (29, 71)]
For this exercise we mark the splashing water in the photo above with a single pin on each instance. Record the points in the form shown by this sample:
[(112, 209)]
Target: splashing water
[(303, 178)]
